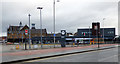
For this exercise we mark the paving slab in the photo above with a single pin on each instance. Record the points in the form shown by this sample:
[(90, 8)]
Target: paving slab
[(21, 55)]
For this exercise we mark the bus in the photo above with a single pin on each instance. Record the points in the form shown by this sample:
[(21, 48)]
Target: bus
[(89, 40), (95, 40), (83, 40)]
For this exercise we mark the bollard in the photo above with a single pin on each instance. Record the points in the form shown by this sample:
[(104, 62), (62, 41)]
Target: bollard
[(73, 43), (90, 43), (17, 47)]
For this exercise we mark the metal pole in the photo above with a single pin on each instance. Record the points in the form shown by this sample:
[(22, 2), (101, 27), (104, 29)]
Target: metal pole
[(54, 20), (98, 34), (41, 27), (29, 33), (25, 43), (103, 29), (19, 37), (89, 33), (98, 40), (22, 37)]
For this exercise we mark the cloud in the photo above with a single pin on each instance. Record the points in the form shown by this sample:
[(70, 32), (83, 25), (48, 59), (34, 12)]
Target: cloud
[(0, 17), (69, 14)]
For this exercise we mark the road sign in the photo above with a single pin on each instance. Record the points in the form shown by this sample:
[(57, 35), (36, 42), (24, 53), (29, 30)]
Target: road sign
[(63, 32), (26, 32), (54, 34), (84, 34)]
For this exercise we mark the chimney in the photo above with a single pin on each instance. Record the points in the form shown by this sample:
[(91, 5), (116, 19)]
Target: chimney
[(20, 24)]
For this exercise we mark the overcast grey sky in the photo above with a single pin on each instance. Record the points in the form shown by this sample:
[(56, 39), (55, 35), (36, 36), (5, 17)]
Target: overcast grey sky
[(70, 14)]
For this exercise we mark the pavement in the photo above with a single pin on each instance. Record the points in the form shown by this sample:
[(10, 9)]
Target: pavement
[(29, 54), (12, 48)]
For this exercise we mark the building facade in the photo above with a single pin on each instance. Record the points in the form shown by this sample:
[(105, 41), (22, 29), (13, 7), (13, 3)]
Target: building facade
[(17, 33), (109, 33)]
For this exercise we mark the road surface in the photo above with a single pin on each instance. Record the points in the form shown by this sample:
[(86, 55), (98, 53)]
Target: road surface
[(108, 55)]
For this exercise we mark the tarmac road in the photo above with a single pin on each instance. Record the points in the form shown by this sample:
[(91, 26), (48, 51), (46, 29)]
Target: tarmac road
[(108, 55)]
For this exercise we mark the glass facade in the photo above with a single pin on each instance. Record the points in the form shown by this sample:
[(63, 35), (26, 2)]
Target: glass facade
[(86, 33)]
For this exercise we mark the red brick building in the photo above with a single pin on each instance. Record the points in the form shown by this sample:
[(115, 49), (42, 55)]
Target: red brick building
[(17, 33)]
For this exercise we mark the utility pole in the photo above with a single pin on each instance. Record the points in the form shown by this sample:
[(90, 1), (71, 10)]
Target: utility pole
[(89, 33), (40, 8), (98, 39), (103, 30), (25, 43), (29, 33), (54, 19), (26, 33)]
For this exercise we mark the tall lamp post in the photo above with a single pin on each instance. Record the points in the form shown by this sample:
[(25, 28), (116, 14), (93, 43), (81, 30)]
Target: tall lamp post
[(89, 33), (54, 18), (29, 33), (103, 29), (40, 8)]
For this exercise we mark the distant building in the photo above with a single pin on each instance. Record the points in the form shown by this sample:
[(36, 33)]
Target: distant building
[(109, 33), (96, 32), (3, 39), (17, 33), (69, 34)]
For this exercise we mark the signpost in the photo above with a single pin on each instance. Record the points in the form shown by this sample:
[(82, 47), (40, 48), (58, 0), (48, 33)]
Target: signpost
[(63, 38), (96, 30), (26, 33)]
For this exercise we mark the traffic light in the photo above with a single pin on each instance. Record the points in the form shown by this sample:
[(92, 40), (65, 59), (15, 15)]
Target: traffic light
[(26, 32)]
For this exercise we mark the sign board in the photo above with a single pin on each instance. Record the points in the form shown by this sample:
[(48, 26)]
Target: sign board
[(63, 38), (84, 34), (54, 35), (96, 27), (26, 32), (63, 32)]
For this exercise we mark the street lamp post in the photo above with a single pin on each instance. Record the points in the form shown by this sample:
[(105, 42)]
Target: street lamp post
[(41, 24), (54, 19), (29, 33), (89, 33), (103, 29)]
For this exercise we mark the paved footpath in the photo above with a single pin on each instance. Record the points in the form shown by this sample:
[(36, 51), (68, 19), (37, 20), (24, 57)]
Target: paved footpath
[(19, 55)]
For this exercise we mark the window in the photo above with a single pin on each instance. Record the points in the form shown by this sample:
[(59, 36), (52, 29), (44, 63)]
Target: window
[(82, 32), (110, 32)]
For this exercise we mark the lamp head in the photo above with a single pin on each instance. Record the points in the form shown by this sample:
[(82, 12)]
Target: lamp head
[(39, 7), (104, 18), (29, 15), (58, 0)]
